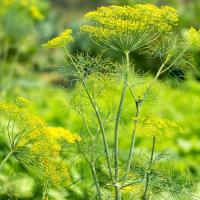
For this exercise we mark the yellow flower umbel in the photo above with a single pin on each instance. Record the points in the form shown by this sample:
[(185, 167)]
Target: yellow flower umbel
[(136, 189), (155, 126), (126, 28), (22, 118), (193, 37), (60, 41), (35, 144)]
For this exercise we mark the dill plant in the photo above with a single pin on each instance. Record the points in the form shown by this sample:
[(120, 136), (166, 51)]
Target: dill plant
[(144, 29), (35, 145)]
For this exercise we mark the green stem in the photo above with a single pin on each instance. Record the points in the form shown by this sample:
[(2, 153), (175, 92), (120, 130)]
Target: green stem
[(5, 159), (139, 103), (144, 197), (154, 79), (127, 60), (117, 192), (132, 183), (116, 137), (132, 147), (96, 181), (102, 129)]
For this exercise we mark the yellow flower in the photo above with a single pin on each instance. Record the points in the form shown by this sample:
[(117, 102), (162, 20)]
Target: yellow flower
[(22, 117), (60, 41), (37, 146), (56, 171), (193, 37), (63, 134), (155, 126), (126, 28), (136, 189)]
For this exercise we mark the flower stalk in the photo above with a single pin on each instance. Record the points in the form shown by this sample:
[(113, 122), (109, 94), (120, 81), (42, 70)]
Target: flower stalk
[(116, 136), (144, 197), (96, 181)]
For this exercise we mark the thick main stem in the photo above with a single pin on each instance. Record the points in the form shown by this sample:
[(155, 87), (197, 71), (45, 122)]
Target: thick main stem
[(149, 170), (102, 130), (116, 136), (5, 159)]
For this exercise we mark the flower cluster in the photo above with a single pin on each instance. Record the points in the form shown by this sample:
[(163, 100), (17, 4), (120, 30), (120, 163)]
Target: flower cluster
[(193, 37), (136, 189), (60, 41), (126, 28), (155, 126), (20, 115), (37, 146)]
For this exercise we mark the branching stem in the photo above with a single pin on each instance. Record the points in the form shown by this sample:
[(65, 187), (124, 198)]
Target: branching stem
[(96, 181), (138, 104), (116, 138), (102, 129)]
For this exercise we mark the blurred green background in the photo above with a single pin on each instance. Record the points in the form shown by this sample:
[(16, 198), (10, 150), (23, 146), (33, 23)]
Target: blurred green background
[(28, 70)]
